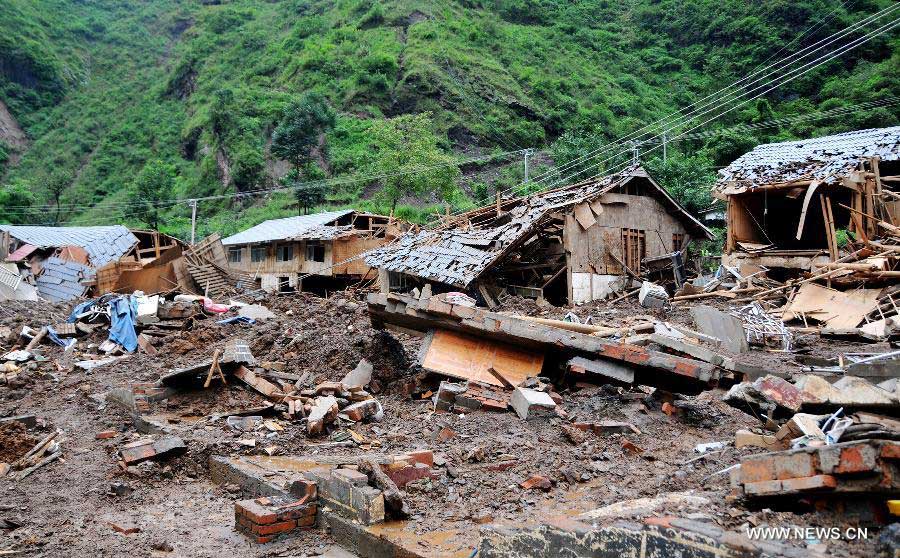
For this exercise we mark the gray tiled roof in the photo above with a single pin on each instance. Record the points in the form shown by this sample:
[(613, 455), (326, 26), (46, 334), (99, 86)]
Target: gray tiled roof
[(103, 244), (826, 159), (457, 257), (61, 280), (283, 229)]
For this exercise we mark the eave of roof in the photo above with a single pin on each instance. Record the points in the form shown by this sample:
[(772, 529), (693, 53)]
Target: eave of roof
[(284, 229)]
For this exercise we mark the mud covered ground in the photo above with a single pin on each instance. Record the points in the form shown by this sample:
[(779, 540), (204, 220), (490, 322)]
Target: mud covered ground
[(70, 507)]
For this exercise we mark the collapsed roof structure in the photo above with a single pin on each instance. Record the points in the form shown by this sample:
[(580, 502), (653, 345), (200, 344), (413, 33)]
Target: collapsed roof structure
[(773, 216), (577, 243)]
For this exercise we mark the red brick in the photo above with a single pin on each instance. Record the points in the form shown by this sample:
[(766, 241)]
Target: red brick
[(537, 481), (630, 447), (890, 451), (758, 469), (297, 512), (125, 529), (274, 528), (106, 434), (857, 459), (256, 513), (263, 540), (493, 405), (305, 490), (308, 521), (585, 426), (794, 465), (425, 457), (408, 474), (817, 482)]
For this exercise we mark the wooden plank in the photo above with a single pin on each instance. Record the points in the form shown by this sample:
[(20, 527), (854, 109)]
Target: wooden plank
[(468, 357), (836, 309), (585, 216)]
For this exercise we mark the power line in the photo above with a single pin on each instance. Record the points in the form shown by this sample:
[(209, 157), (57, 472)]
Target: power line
[(717, 99), (792, 74), (249, 193)]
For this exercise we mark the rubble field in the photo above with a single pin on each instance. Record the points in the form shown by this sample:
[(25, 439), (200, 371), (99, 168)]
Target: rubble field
[(129, 437)]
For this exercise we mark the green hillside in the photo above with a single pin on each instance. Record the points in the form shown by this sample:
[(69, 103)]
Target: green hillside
[(129, 103)]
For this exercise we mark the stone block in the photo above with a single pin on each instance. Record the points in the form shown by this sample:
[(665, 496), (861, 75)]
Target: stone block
[(530, 403)]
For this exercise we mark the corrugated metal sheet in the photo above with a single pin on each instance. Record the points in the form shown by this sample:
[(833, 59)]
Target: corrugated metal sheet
[(103, 244), (62, 281), (283, 229), (825, 159)]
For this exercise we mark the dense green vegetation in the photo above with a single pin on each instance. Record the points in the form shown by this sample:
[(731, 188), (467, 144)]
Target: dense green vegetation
[(213, 98)]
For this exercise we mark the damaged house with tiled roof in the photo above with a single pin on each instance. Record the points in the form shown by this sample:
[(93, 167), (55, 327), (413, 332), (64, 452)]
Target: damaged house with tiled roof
[(790, 205), (573, 244), (310, 251), (60, 264)]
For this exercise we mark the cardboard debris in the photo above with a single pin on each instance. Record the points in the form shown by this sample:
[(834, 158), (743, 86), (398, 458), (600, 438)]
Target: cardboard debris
[(833, 308)]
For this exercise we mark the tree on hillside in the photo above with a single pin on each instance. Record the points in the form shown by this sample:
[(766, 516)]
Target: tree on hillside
[(688, 178), (152, 186), (408, 155), (16, 198), (295, 137), (56, 185)]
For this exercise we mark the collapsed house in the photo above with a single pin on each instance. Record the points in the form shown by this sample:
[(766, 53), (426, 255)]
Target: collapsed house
[(64, 263), (570, 245), (278, 252), (61, 264), (790, 204)]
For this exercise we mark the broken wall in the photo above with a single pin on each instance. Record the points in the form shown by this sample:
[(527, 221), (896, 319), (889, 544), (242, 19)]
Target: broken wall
[(619, 228)]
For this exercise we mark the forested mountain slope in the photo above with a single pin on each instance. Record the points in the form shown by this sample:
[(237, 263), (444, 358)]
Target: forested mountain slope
[(127, 104)]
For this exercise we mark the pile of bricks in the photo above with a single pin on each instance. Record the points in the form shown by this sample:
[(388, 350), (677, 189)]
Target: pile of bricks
[(264, 519), (471, 396), (404, 469), (863, 467)]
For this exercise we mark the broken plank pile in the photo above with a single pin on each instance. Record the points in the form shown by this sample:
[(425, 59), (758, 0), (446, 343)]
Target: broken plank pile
[(208, 266), (501, 350)]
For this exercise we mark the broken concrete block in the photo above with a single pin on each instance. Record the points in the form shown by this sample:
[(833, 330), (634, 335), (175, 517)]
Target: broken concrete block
[(142, 450), (722, 326), (362, 410), (801, 424), (359, 376), (256, 312), (446, 395), (243, 424), (605, 368), (324, 411), (853, 391), (530, 403), (746, 438), (652, 296)]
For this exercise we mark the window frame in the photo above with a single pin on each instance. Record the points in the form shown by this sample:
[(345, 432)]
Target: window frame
[(254, 250), (314, 247), (289, 248), (235, 251)]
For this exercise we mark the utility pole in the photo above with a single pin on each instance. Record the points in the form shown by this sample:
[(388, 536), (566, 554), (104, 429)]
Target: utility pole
[(664, 146), (193, 219), (527, 153), (635, 154)]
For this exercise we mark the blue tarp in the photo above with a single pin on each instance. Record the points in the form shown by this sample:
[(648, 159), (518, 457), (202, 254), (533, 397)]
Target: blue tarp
[(122, 315), (80, 309), (51, 333)]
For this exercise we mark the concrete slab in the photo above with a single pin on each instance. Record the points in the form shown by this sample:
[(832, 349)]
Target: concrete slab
[(720, 325)]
